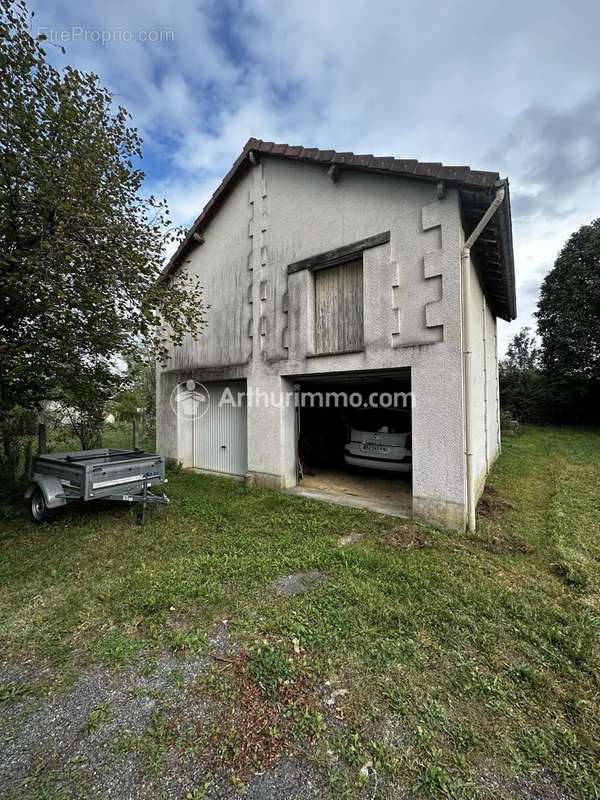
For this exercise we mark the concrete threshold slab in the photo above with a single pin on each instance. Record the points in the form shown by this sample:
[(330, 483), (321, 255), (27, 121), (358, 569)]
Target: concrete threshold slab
[(353, 501)]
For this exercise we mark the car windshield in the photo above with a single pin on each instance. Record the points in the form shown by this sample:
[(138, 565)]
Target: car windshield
[(376, 421)]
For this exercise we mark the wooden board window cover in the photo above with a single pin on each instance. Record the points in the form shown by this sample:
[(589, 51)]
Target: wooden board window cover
[(339, 320)]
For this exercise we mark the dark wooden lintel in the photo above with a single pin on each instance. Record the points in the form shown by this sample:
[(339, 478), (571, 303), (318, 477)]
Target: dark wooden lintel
[(345, 253)]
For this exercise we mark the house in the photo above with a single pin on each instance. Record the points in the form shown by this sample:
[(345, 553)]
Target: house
[(331, 272)]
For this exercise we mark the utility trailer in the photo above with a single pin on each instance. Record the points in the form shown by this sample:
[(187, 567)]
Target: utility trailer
[(108, 474)]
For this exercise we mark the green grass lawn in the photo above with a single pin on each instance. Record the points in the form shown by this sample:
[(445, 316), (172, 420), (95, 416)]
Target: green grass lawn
[(440, 663)]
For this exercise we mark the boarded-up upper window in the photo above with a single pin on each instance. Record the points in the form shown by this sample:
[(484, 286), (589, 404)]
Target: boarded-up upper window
[(339, 308)]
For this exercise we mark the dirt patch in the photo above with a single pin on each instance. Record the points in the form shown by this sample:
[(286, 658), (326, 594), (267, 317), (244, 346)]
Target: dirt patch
[(252, 736), (491, 505), (266, 703), (497, 538), (406, 537), (301, 582)]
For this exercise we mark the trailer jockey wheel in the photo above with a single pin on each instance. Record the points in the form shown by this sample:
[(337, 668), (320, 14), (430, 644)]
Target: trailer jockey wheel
[(39, 510)]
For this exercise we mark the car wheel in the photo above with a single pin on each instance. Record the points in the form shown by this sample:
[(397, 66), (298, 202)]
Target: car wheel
[(39, 510)]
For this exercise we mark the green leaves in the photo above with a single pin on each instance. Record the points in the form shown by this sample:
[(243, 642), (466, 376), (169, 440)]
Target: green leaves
[(82, 247), (560, 381), (569, 309)]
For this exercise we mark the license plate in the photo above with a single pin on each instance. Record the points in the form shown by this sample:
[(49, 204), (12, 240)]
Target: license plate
[(375, 448)]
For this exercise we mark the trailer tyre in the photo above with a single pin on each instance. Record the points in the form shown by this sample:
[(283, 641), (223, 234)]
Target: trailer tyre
[(39, 510)]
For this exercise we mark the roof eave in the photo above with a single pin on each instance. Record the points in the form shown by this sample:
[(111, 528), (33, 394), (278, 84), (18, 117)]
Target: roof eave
[(508, 260)]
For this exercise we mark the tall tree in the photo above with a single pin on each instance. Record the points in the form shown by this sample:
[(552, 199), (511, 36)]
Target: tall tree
[(568, 312), (81, 246), (522, 353), (521, 381)]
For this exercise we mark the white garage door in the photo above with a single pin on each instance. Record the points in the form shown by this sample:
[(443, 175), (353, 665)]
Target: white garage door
[(220, 437)]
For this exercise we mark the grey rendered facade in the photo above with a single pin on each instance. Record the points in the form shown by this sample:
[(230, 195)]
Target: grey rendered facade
[(279, 206)]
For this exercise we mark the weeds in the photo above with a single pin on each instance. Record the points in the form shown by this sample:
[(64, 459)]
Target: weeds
[(99, 717)]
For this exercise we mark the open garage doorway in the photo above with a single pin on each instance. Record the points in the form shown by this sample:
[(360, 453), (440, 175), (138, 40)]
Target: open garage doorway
[(354, 439)]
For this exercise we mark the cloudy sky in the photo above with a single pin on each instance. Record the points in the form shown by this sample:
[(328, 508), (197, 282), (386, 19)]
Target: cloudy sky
[(501, 85)]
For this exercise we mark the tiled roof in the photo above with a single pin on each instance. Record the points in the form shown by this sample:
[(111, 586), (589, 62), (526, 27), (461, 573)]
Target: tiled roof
[(409, 167), (476, 186)]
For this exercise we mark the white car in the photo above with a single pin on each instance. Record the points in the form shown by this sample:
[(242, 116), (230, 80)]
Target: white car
[(379, 441)]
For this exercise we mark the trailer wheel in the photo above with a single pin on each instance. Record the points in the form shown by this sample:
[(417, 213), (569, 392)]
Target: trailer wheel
[(39, 510)]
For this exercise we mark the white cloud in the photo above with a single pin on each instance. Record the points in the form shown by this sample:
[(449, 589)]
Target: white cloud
[(500, 85)]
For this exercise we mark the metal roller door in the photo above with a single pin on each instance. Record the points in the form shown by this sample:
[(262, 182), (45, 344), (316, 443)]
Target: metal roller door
[(220, 434)]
